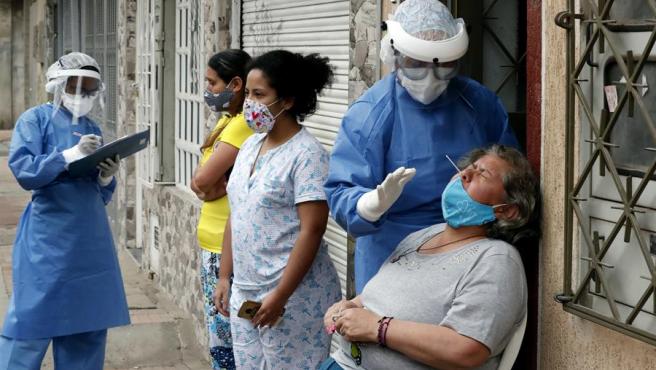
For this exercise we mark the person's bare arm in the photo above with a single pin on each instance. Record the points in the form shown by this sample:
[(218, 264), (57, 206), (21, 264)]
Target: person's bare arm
[(215, 192), (221, 296), (433, 345), (436, 346), (212, 173)]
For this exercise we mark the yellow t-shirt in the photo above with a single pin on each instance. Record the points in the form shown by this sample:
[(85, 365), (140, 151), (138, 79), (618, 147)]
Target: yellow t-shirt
[(214, 214)]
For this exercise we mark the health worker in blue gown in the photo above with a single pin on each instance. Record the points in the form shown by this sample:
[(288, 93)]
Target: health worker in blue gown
[(67, 285), (388, 166)]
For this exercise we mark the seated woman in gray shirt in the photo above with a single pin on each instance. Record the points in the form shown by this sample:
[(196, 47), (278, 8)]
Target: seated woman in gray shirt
[(450, 295)]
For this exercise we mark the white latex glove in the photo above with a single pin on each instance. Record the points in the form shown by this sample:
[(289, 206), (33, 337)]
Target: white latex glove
[(372, 205), (87, 145), (108, 168)]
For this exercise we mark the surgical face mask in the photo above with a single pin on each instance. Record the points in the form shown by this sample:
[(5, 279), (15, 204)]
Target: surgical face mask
[(221, 101), (426, 90), (78, 106), (258, 116), (459, 209)]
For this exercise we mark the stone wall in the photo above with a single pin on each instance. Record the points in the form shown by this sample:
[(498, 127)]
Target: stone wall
[(126, 95), (364, 40), (175, 256), (216, 21), (567, 341)]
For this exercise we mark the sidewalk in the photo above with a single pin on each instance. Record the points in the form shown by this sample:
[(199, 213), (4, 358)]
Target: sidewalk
[(160, 337)]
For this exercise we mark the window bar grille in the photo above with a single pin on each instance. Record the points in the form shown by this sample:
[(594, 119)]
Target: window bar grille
[(599, 27)]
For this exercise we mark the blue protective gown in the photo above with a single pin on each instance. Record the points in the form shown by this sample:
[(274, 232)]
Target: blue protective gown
[(386, 129), (66, 277)]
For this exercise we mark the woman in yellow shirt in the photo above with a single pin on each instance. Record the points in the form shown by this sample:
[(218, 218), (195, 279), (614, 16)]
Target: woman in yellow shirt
[(225, 76)]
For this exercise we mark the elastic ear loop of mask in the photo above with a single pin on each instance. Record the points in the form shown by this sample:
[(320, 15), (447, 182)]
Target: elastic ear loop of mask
[(226, 88), (279, 113)]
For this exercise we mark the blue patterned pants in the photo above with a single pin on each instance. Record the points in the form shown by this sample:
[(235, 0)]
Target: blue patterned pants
[(218, 326)]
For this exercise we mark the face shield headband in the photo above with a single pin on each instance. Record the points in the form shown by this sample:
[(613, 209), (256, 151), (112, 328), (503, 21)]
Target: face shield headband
[(441, 51), (59, 77)]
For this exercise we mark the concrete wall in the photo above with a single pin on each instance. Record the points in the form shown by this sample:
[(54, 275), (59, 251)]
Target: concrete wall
[(18, 66), (6, 119), (14, 60), (567, 341), (39, 48)]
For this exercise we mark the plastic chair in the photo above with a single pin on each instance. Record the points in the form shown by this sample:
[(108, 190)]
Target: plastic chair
[(512, 349)]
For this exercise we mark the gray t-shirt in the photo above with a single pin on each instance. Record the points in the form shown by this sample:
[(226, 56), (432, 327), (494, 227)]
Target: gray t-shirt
[(478, 290)]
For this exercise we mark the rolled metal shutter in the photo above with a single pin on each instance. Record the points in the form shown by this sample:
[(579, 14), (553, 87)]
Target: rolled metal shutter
[(309, 26)]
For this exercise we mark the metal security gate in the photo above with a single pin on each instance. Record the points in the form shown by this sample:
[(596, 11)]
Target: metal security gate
[(149, 83), (99, 41), (189, 103), (610, 235), (309, 26), (497, 52), (67, 27), (90, 27)]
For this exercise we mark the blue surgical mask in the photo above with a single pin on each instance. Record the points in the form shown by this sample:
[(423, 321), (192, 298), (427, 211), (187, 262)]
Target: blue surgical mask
[(221, 101), (459, 209)]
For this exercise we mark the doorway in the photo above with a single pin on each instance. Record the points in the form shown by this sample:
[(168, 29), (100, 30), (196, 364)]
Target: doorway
[(497, 58)]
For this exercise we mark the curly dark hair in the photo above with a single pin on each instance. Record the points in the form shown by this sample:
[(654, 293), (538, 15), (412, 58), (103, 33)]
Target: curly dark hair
[(296, 76)]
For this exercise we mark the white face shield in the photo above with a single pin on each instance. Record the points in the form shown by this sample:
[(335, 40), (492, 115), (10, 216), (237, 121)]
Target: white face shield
[(78, 89), (423, 34), (442, 51)]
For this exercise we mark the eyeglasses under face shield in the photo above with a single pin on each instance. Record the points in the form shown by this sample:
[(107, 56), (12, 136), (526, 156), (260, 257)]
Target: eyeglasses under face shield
[(418, 70), (83, 86)]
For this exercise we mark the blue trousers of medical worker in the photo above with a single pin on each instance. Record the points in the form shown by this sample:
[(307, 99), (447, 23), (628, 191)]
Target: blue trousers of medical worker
[(83, 351)]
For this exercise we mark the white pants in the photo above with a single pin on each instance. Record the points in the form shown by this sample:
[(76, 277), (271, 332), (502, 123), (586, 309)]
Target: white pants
[(299, 341)]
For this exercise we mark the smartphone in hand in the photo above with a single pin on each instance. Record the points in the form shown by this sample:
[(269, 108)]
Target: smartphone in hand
[(249, 308)]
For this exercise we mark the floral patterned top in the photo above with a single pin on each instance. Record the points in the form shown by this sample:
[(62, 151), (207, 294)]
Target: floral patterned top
[(264, 219)]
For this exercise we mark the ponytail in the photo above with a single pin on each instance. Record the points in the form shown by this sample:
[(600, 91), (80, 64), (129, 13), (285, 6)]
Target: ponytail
[(295, 76)]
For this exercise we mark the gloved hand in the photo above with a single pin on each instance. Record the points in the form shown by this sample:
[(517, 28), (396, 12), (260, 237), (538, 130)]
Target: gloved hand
[(87, 145), (372, 205), (108, 168)]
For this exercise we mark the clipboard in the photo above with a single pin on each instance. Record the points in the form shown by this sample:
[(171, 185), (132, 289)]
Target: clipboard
[(124, 147)]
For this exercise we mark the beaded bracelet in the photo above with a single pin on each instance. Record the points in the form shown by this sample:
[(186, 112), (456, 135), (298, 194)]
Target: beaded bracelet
[(383, 324)]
